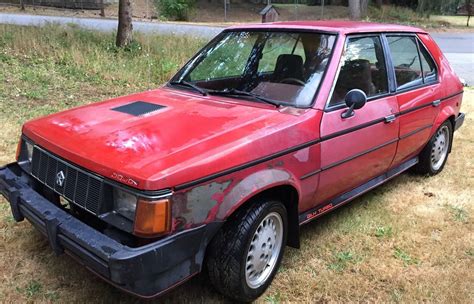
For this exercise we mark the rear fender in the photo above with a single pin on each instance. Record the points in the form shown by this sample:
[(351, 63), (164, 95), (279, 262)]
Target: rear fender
[(448, 112)]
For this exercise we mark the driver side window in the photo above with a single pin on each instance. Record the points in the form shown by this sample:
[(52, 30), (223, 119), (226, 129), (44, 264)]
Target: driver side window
[(362, 67)]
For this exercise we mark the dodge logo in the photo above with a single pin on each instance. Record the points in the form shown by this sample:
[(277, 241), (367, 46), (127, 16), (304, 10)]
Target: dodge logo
[(60, 178)]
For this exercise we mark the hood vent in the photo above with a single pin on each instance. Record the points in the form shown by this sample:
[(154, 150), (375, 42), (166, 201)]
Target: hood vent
[(138, 108)]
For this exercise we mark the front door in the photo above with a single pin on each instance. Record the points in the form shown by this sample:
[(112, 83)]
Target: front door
[(359, 148)]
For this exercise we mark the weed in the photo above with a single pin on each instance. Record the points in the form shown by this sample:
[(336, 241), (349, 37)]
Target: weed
[(470, 252), (405, 257), (33, 288), (341, 260), (383, 231), (273, 298), (52, 295), (397, 295), (458, 213)]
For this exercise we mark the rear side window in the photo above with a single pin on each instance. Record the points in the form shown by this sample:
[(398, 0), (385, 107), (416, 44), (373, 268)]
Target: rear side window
[(428, 66), (362, 67), (406, 61), (412, 62)]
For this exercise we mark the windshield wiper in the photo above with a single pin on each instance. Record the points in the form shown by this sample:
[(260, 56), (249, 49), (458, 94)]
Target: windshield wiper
[(236, 92), (190, 85)]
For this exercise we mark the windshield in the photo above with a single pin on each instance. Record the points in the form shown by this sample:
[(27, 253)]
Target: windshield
[(279, 67)]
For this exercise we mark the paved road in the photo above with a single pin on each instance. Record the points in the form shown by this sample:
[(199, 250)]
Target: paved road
[(458, 47)]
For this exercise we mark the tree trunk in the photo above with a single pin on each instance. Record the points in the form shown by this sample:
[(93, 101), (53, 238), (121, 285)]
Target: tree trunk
[(379, 3), (102, 11), (469, 12), (22, 5), (124, 32), (364, 5), (354, 9)]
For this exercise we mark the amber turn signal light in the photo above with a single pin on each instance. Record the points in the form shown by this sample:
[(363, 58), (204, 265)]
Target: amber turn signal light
[(18, 150), (152, 218)]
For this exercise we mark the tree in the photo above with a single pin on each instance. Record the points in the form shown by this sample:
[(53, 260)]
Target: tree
[(379, 3), (469, 11), (125, 27), (358, 9), (354, 9)]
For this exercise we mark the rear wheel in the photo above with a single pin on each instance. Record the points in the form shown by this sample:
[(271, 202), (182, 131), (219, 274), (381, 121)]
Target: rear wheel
[(434, 156), (245, 254)]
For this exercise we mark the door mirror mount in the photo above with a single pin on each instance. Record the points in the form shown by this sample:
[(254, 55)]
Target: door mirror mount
[(355, 99)]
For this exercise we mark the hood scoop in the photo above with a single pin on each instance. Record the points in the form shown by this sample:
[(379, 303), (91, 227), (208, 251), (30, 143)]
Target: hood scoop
[(138, 108)]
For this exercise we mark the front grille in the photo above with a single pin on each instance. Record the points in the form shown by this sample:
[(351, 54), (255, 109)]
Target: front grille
[(77, 186)]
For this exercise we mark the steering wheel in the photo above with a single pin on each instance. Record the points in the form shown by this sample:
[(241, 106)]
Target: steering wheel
[(292, 81)]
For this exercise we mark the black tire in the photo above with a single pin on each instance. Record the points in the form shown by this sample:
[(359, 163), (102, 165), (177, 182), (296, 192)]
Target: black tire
[(426, 165), (228, 252)]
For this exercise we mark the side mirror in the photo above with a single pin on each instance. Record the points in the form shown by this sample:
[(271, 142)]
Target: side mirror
[(355, 99)]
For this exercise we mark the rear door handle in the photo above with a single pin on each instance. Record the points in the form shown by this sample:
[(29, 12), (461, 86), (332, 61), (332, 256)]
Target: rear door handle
[(436, 103), (390, 118)]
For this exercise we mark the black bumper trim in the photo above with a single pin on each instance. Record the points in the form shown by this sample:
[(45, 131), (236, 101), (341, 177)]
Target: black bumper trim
[(145, 271), (459, 121)]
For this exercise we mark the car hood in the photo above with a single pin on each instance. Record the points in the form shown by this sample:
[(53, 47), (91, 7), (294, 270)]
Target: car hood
[(185, 138)]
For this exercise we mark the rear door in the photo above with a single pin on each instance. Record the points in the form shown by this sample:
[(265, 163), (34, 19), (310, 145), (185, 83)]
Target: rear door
[(359, 148), (418, 92)]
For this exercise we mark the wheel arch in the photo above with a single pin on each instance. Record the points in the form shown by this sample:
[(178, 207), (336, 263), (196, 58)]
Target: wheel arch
[(274, 183), (448, 113)]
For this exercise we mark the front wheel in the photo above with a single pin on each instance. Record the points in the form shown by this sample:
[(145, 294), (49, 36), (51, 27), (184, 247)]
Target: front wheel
[(245, 254), (435, 154)]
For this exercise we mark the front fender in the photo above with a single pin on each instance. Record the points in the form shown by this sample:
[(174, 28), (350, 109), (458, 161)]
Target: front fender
[(218, 199), (252, 185)]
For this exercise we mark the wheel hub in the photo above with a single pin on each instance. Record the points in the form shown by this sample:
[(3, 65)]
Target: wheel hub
[(439, 151), (264, 250)]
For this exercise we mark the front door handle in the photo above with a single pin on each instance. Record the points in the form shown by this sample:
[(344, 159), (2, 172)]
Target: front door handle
[(390, 118)]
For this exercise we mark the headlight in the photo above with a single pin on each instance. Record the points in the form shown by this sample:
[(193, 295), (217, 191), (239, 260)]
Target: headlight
[(25, 152), (125, 203), (29, 150)]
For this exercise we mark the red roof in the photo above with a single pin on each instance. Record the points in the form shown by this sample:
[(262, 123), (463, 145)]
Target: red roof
[(345, 27)]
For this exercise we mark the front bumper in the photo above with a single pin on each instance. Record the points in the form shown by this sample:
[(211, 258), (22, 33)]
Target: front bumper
[(146, 271), (459, 121)]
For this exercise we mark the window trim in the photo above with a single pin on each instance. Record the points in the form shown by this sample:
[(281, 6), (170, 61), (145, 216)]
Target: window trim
[(422, 45), (342, 105)]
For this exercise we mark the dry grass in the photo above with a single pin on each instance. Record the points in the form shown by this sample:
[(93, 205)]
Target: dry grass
[(410, 240)]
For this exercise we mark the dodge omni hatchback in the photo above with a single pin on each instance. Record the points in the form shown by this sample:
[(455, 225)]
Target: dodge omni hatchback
[(266, 128)]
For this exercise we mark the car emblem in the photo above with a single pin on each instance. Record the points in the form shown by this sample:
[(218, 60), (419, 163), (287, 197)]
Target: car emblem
[(60, 178)]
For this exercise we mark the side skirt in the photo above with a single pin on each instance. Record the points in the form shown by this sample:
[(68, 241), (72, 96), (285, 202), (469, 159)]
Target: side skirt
[(316, 212)]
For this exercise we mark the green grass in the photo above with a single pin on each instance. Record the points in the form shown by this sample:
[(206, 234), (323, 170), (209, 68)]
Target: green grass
[(43, 70)]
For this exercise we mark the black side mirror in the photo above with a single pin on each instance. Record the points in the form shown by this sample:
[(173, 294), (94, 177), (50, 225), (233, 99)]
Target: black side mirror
[(355, 99)]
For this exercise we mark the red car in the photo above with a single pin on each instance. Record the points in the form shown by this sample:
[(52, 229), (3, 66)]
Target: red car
[(268, 127)]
